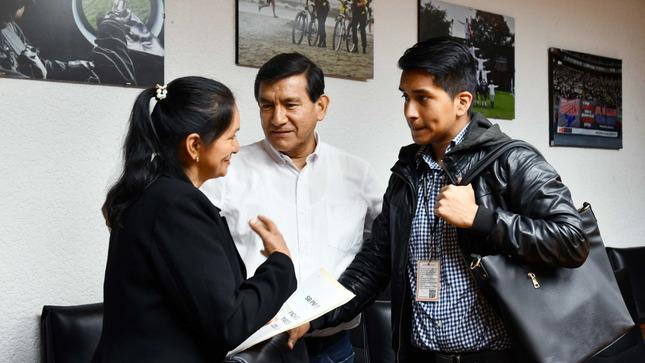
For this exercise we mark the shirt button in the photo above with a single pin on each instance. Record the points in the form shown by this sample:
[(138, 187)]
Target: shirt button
[(438, 323)]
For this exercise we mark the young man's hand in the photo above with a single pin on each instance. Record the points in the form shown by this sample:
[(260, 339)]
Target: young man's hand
[(456, 205), (297, 333)]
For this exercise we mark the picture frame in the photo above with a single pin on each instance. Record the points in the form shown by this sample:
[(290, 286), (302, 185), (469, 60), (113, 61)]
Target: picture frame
[(103, 42), (585, 100), (491, 40), (345, 49)]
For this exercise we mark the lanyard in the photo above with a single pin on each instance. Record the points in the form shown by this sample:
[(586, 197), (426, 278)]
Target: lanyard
[(433, 243)]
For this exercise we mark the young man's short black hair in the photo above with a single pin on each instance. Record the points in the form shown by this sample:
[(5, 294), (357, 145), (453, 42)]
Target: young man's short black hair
[(447, 60), (286, 65)]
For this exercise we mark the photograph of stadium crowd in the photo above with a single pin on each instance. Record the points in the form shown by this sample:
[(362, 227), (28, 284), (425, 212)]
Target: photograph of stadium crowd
[(491, 39), (585, 93), (112, 42), (335, 34)]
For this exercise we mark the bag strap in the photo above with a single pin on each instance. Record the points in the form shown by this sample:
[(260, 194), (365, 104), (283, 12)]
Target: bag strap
[(493, 155), (474, 260)]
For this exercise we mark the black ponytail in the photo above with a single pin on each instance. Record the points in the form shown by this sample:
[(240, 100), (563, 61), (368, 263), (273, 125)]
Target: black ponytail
[(191, 105)]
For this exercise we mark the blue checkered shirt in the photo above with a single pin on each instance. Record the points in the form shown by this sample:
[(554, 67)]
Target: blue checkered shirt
[(462, 320)]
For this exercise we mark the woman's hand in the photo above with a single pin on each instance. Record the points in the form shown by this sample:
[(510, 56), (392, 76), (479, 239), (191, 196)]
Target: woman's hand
[(271, 237)]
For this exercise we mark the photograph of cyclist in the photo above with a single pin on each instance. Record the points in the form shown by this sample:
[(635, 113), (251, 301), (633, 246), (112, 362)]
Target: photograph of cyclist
[(359, 20), (262, 4), (322, 10), (319, 29)]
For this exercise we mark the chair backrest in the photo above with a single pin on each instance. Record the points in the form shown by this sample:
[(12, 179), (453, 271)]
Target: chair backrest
[(379, 316), (633, 260), (273, 350), (630, 347), (359, 342), (70, 334), (378, 332)]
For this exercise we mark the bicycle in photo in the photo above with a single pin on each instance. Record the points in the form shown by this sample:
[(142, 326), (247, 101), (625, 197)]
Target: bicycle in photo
[(342, 28), (305, 23)]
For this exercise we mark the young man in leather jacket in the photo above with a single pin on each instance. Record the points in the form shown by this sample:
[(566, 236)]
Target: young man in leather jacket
[(518, 206)]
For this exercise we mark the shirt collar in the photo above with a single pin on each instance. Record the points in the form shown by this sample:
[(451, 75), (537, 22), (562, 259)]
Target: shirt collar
[(425, 152), (284, 159)]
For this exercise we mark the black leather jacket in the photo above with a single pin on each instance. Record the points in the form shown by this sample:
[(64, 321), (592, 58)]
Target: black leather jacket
[(524, 211)]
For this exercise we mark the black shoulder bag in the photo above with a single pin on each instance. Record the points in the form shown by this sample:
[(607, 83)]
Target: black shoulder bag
[(554, 314)]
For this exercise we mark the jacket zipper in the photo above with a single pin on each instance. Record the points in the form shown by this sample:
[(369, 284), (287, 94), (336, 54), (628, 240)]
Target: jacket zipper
[(450, 176), (405, 261), (406, 253)]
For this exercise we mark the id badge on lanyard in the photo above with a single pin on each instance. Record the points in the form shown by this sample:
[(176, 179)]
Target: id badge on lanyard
[(429, 271), (428, 280)]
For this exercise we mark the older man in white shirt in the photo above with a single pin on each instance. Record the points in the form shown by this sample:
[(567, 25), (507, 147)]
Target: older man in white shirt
[(322, 198)]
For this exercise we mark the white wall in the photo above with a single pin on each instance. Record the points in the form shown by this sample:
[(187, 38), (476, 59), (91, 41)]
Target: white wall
[(60, 142)]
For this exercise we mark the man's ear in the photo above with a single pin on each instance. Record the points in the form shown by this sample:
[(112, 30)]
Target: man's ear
[(321, 107), (462, 102)]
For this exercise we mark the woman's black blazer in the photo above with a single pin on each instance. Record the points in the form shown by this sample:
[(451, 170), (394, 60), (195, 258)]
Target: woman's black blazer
[(175, 287)]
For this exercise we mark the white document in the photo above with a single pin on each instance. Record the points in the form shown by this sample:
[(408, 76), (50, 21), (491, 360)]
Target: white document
[(317, 295)]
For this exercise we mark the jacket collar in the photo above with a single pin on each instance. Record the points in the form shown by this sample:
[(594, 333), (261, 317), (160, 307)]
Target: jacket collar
[(177, 175), (481, 133)]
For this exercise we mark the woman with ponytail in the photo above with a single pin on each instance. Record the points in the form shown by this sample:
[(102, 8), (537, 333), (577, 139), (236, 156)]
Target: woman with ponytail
[(175, 289)]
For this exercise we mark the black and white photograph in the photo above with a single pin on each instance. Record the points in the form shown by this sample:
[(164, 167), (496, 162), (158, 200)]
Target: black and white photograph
[(335, 34), (585, 93), (109, 42), (491, 40)]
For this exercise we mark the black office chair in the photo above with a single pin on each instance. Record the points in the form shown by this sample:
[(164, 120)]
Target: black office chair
[(359, 342), (70, 334), (630, 347), (273, 350), (372, 339), (633, 260), (378, 324)]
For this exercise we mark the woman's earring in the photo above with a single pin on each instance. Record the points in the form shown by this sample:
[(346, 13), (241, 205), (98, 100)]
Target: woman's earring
[(197, 158)]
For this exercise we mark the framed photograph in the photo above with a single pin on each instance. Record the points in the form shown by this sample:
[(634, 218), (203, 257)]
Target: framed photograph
[(335, 34), (585, 100), (111, 42), (491, 39)]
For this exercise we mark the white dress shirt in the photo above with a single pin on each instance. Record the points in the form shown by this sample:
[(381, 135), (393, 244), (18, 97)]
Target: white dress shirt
[(324, 211)]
